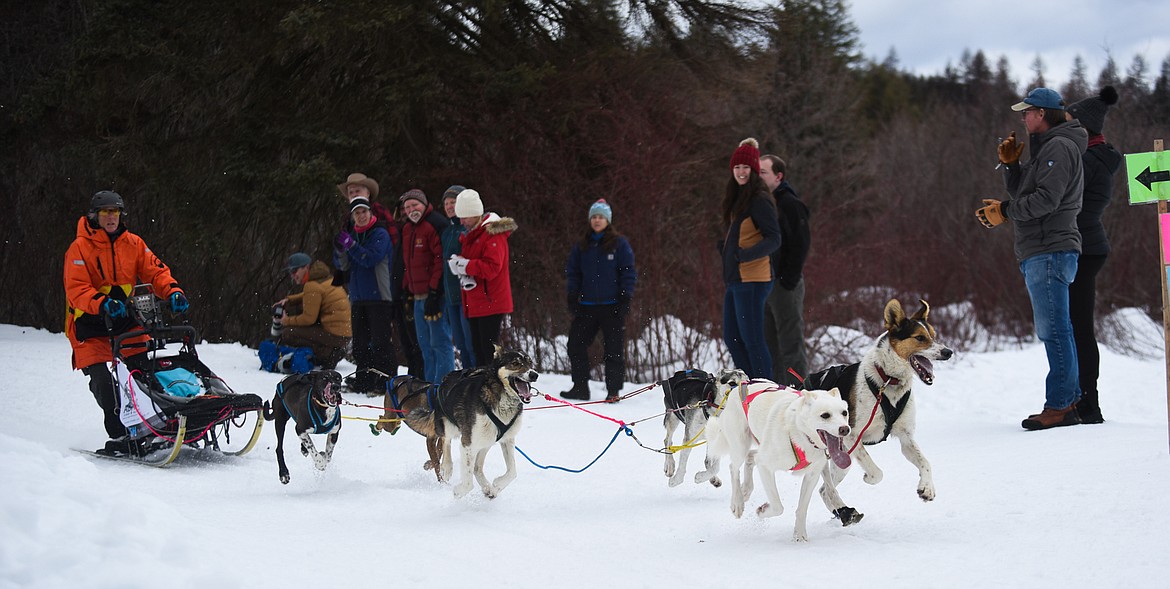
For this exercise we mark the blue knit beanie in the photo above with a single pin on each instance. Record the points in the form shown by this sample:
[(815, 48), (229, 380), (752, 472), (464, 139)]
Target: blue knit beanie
[(601, 208)]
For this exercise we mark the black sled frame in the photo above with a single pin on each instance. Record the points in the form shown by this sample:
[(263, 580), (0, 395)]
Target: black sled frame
[(181, 420)]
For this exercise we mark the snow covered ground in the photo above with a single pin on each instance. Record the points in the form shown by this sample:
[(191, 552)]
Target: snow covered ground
[(1071, 507)]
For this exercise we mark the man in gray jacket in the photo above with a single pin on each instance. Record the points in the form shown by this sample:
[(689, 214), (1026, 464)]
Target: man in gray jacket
[(1045, 199)]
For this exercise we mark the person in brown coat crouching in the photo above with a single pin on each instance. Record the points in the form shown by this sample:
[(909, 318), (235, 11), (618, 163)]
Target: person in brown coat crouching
[(317, 317)]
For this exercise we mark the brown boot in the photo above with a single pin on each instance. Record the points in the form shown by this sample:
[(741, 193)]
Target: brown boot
[(1052, 418)]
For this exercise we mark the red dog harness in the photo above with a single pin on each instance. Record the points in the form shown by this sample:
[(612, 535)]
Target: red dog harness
[(801, 458)]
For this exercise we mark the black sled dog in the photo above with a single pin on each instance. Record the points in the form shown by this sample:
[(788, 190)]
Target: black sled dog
[(689, 398), (311, 400), (878, 389), (484, 407)]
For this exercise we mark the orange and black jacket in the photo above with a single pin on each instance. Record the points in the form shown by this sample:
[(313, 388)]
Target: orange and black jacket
[(100, 265)]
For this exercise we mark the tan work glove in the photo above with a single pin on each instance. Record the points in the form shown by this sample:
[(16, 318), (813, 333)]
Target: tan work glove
[(1010, 150), (991, 214)]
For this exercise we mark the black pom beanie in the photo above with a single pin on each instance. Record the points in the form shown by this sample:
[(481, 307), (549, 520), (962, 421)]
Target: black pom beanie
[(1091, 111)]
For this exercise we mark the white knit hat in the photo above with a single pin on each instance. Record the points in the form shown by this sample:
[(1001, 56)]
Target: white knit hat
[(467, 204)]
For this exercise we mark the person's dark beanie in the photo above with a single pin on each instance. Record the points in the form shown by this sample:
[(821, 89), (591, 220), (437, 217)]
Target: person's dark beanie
[(1091, 111)]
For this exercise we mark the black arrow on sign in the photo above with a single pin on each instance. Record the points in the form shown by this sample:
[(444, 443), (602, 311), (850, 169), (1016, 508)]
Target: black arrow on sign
[(1148, 178)]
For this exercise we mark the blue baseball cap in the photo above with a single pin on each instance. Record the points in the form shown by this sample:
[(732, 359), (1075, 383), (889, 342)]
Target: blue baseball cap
[(298, 260), (1040, 98)]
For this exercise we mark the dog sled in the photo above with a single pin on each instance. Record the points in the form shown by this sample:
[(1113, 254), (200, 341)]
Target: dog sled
[(169, 398)]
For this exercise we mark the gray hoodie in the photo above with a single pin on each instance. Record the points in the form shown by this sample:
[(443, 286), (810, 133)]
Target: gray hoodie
[(1046, 192)]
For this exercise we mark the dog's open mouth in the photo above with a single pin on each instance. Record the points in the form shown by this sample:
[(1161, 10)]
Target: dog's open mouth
[(836, 449), (521, 387), (923, 367)]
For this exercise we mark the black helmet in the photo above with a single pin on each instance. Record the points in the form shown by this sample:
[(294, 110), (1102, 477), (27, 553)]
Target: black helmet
[(106, 199)]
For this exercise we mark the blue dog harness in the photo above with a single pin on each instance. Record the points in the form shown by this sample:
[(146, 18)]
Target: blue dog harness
[(317, 414)]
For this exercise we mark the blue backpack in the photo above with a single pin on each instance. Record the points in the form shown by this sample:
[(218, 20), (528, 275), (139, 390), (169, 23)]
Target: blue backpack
[(285, 359)]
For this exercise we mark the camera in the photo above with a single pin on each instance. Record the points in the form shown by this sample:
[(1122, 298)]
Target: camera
[(277, 315)]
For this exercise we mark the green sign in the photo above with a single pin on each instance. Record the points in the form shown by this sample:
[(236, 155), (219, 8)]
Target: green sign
[(1148, 175)]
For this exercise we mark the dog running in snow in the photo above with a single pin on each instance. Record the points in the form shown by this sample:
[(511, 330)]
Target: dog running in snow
[(484, 406), (728, 434), (689, 397), (311, 401), (800, 432), (405, 393), (904, 352)]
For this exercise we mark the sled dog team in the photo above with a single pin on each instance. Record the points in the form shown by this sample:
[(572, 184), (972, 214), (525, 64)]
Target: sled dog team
[(757, 425)]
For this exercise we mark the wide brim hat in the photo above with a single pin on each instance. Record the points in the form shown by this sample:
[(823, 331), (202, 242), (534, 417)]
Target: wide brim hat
[(360, 179)]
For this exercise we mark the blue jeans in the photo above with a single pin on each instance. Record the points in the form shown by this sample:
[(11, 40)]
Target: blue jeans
[(461, 332), (434, 338), (743, 327), (1048, 277)]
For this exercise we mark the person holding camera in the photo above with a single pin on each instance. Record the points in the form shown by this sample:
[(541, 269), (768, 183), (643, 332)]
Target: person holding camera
[(102, 265), (318, 317)]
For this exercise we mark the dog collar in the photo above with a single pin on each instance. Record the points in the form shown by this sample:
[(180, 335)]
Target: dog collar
[(889, 380)]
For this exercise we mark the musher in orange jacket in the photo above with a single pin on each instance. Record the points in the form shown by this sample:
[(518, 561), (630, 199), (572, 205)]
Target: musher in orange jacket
[(102, 266)]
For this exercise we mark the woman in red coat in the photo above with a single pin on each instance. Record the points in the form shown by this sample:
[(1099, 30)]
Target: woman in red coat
[(483, 273)]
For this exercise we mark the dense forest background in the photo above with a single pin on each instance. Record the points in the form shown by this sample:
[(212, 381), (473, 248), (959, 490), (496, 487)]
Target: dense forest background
[(227, 125)]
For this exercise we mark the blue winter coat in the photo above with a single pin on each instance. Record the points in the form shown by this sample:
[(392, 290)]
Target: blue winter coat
[(368, 265), (601, 277)]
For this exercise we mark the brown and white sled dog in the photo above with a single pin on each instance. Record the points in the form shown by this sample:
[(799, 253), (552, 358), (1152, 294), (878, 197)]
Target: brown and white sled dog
[(904, 352), (484, 406), (405, 393), (801, 432)]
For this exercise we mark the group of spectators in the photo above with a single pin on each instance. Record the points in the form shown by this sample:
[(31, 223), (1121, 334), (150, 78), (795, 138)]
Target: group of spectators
[(438, 280)]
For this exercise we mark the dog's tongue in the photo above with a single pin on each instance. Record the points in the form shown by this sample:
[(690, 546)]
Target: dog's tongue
[(924, 368), (522, 388), (836, 450)]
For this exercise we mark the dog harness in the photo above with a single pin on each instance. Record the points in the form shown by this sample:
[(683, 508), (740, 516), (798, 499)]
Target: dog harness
[(890, 411), (801, 457), (674, 403), (316, 411), (501, 427), (396, 402)]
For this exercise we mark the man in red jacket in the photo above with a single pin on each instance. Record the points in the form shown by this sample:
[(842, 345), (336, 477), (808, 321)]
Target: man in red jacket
[(422, 279), (483, 272)]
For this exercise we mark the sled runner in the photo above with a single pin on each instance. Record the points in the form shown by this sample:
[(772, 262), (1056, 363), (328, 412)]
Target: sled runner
[(168, 397)]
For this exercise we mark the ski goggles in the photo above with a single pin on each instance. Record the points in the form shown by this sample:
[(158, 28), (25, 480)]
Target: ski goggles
[(114, 212)]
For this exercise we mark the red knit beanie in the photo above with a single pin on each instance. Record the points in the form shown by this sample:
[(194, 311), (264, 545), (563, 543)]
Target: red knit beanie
[(748, 154)]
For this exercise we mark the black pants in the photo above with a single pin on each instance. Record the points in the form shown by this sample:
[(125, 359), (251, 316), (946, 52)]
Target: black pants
[(408, 337), (485, 333), (586, 323), (1082, 301), (373, 347), (101, 384)]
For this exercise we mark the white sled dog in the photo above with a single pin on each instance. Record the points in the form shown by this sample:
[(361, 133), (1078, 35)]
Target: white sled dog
[(728, 434), (904, 352), (798, 431)]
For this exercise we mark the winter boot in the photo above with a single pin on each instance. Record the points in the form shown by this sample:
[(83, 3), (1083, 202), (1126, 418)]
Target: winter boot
[(1088, 408), (1052, 418), (579, 392), (613, 397)]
